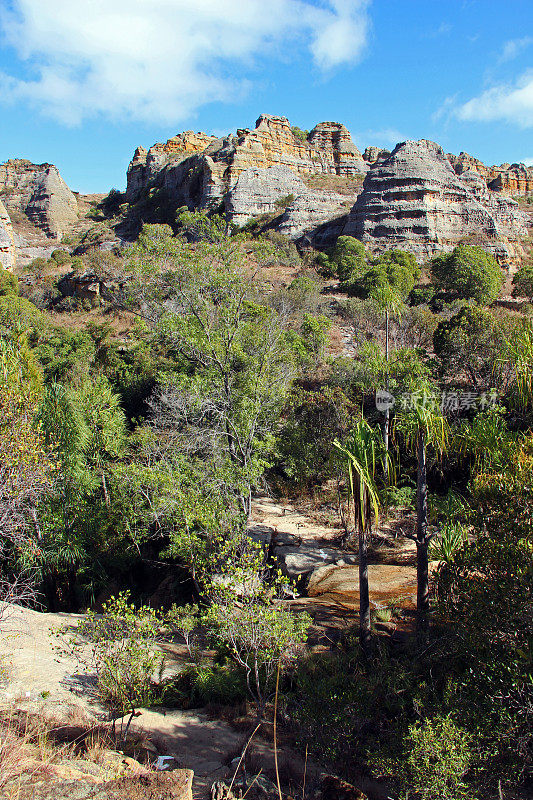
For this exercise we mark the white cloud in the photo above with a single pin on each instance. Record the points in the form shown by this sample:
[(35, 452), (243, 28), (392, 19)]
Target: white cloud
[(527, 161), (513, 48), (510, 103), (160, 60), (384, 137)]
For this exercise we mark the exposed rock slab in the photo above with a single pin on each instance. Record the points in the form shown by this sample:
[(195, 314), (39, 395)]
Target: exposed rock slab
[(414, 200), (340, 584), (7, 240), (39, 192), (177, 785)]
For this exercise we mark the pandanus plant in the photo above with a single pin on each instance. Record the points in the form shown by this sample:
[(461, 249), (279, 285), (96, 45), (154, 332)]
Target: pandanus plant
[(423, 426), (364, 451)]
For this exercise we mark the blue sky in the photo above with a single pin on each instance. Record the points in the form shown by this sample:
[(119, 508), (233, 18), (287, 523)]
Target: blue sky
[(83, 82)]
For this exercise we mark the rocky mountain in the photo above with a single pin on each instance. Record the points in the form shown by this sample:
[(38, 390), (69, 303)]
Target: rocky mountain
[(310, 187), (7, 240), (39, 192), (416, 201), (514, 179)]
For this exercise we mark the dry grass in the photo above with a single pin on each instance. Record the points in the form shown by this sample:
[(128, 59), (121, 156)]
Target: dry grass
[(341, 184)]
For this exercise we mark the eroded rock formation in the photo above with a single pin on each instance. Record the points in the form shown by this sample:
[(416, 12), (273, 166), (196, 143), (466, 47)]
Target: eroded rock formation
[(415, 200), (7, 240), (207, 168), (39, 192), (513, 179)]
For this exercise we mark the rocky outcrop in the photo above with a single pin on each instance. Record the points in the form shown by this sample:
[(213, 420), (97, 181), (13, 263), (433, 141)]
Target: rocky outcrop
[(279, 189), (176, 785), (7, 240), (39, 192), (334, 138), (373, 154), (414, 200), (201, 180), (513, 179)]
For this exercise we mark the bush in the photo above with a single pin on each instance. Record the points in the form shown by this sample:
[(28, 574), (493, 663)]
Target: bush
[(60, 257), (346, 260), (468, 273), (438, 759), (9, 284)]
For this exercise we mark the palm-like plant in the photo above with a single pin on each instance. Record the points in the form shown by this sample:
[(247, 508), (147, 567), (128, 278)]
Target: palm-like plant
[(363, 450), (423, 426)]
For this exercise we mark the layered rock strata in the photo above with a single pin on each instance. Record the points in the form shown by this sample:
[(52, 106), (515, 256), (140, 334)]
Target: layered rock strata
[(414, 200), (7, 240), (39, 192), (513, 179), (216, 164)]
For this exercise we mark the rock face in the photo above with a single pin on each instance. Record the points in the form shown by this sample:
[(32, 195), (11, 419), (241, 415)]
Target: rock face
[(514, 179), (7, 240), (414, 200), (39, 192), (334, 138), (198, 170)]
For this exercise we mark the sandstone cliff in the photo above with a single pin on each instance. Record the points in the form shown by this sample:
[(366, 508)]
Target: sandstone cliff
[(7, 240), (415, 200), (39, 192), (212, 166), (513, 179)]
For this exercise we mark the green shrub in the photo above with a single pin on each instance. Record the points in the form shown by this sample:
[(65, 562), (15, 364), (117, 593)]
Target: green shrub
[(60, 257), (450, 539), (469, 273), (438, 759), (9, 284)]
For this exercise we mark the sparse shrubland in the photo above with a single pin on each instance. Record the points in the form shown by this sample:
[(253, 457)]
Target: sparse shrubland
[(135, 432)]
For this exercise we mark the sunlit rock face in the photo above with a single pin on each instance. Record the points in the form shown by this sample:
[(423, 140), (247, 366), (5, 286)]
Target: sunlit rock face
[(414, 200), (512, 179), (7, 240), (39, 192), (328, 149)]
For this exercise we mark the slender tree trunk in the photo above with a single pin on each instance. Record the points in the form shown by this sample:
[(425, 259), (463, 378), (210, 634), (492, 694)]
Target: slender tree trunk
[(422, 563), (365, 632), (386, 424)]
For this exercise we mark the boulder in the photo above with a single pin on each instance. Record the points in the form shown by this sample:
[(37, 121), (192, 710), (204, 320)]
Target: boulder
[(299, 561), (247, 172), (415, 201), (341, 583), (7, 240)]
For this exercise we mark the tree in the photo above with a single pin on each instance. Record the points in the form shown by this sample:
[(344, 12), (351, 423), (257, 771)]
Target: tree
[(26, 464), (423, 426), (363, 450), (471, 342), (523, 281), (346, 260), (469, 273), (120, 645), (235, 356)]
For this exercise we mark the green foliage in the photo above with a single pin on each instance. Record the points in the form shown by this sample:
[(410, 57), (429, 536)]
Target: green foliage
[(390, 279), (60, 257), (468, 273), (439, 757), (450, 539), (312, 420), (346, 260), (120, 645), (470, 342), (299, 133), (9, 284)]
